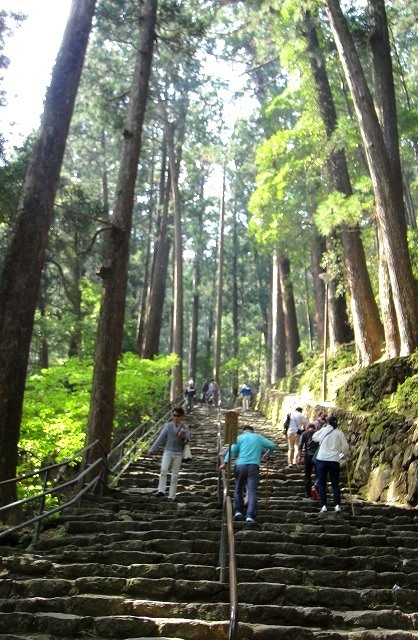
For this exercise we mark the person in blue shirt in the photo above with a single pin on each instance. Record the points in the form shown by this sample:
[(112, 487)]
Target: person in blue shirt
[(246, 397), (249, 450)]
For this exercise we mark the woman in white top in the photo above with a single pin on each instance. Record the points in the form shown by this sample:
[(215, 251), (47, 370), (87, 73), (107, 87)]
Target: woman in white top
[(333, 447)]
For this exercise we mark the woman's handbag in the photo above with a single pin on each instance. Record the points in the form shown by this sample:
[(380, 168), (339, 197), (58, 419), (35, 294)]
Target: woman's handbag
[(187, 452)]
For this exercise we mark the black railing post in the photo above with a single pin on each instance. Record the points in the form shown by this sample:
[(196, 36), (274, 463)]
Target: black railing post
[(41, 507)]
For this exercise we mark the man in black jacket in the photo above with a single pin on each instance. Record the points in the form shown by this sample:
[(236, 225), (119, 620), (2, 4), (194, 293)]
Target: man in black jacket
[(309, 446)]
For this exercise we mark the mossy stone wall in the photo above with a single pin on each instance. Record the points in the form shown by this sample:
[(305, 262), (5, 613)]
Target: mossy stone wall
[(383, 442)]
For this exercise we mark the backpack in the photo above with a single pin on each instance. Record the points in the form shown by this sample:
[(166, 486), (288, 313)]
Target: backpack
[(286, 423)]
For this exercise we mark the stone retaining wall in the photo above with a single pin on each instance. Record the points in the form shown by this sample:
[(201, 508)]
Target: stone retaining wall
[(384, 449)]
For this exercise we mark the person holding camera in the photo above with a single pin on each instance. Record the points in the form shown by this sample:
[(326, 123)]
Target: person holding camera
[(333, 447), (175, 435)]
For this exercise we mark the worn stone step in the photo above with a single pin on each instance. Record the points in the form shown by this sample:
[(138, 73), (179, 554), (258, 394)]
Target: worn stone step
[(209, 591), (72, 571), (174, 588), (321, 577), (127, 557), (134, 628), (60, 625), (100, 605)]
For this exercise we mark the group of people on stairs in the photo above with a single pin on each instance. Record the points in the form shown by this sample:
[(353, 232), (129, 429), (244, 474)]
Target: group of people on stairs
[(321, 444), (323, 447)]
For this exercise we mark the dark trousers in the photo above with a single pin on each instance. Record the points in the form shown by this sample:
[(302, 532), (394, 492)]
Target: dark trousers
[(309, 467), (246, 475), (323, 468)]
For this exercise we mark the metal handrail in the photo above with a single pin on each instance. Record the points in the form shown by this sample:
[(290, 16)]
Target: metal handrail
[(61, 507), (228, 542), (124, 459), (57, 465)]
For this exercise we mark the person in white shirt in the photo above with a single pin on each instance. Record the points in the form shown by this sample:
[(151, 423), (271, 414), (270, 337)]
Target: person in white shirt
[(296, 424), (333, 446)]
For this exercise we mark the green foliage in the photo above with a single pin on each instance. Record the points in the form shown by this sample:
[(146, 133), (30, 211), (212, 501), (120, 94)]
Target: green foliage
[(141, 388), (336, 208), (57, 403), (413, 248), (391, 384), (308, 374), (405, 399)]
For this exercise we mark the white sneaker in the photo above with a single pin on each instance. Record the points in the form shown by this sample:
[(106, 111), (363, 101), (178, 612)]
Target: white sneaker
[(324, 509), (337, 508), (238, 515), (249, 519)]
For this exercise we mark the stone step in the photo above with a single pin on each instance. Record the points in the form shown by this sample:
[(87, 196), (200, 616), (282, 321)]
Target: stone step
[(267, 614), (63, 626), (178, 589), (320, 576), (129, 565)]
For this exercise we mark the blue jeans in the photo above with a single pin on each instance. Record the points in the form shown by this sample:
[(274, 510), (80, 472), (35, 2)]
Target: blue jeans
[(246, 475), (323, 467)]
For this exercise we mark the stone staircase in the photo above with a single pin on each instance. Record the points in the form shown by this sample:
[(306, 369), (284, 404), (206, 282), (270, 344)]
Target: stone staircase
[(134, 566)]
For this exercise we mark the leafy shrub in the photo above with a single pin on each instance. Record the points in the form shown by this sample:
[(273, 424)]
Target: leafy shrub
[(57, 402)]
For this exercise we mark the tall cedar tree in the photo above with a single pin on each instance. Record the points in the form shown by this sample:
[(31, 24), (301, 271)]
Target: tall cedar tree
[(24, 259), (390, 209), (114, 269), (385, 103), (368, 329)]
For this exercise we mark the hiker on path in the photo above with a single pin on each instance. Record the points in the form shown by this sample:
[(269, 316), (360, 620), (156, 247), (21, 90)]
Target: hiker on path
[(246, 397), (309, 446), (296, 423), (205, 390), (212, 393), (174, 435), (333, 448), (189, 394), (249, 450)]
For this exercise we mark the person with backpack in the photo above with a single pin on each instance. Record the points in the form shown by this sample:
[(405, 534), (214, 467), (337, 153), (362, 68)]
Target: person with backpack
[(309, 446), (333, 447), (295, 426)]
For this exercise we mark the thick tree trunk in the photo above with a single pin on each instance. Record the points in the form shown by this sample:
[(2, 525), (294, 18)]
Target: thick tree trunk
[(44, 350), (24, 259), (388, 308), (219, 287), (294, 357), (278, 333), (385, 103), (318, 248), (368, 329), (156, 296), (264, 274), (143, 300), (177, 331), (114, 270), (339, 329), (235, 306), (194, 322), (390, 209)]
